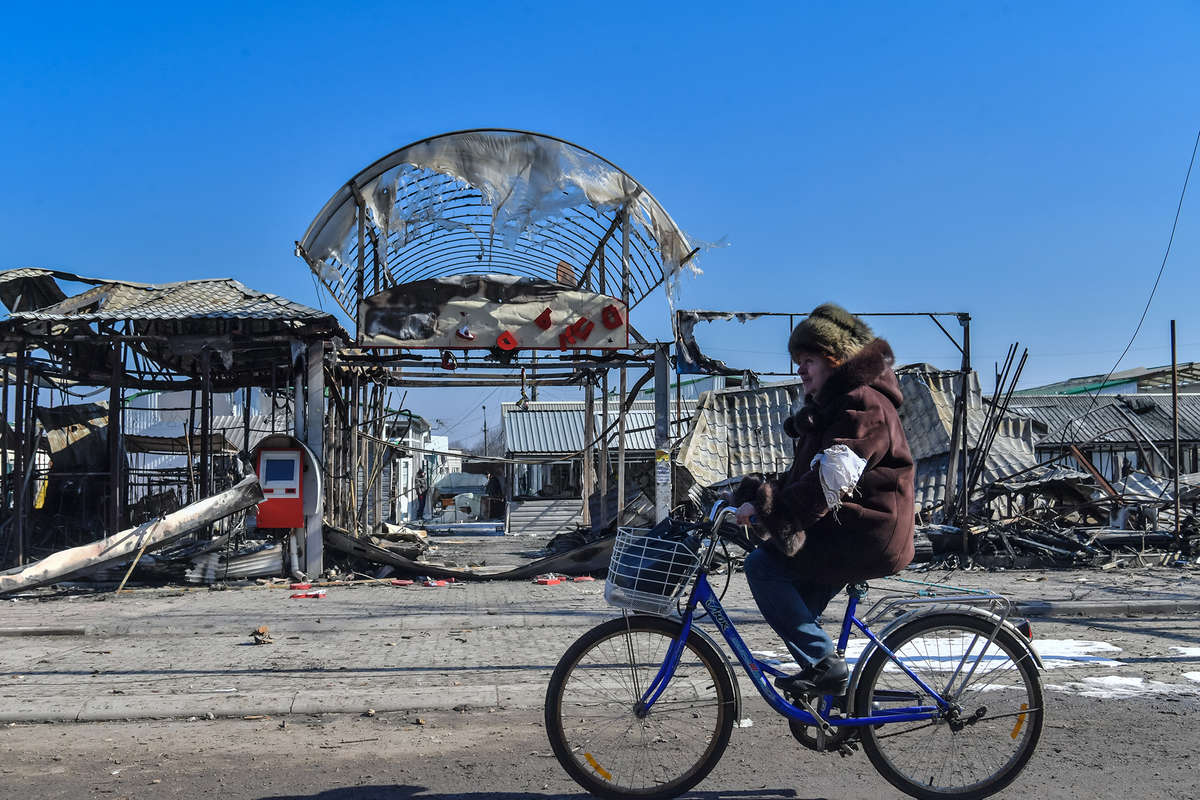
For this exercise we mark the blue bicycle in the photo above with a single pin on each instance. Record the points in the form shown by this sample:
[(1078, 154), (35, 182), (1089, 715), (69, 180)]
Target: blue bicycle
[(945, 700)]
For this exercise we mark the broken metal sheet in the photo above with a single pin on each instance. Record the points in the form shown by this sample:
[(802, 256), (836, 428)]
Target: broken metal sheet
[(177, 445), (493, 200), (488, 311), (212, 298), (690, 360), (77, 436), (129, 542), (584, 560), (266, 561)]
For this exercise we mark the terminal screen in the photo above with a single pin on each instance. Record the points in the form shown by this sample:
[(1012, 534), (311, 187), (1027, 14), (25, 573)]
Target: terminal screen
[(279, 470)]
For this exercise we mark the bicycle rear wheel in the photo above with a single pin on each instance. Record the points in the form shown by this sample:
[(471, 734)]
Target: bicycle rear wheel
[(985, 741), (590, 718)]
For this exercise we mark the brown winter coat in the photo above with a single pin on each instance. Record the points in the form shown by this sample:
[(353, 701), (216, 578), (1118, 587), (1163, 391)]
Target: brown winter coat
[(871, 534)]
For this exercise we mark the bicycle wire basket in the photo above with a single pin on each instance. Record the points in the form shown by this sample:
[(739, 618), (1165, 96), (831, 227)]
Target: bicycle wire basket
[(649, 569)]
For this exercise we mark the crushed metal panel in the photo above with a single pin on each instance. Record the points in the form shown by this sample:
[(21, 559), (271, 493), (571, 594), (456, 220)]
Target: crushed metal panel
[(490, 311)]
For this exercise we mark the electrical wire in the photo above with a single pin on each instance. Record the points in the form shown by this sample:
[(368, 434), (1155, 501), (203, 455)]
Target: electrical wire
[(1158, 278)]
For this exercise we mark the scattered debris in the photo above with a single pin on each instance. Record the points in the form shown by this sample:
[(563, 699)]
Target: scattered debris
[(125, 544), (261, 635)]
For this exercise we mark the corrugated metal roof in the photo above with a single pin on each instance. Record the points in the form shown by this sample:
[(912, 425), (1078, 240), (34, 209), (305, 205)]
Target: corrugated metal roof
[(739, 431), (553, 427), (1109, 418), (1144, 378), (215, 298)]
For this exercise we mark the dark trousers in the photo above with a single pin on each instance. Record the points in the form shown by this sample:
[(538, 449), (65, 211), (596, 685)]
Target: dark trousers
[(790, 605), (420, 506)]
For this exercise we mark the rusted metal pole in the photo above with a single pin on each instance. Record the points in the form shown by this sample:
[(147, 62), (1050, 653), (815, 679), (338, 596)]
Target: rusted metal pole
[(4, 473), (604, 438), (246, 418), (191, 451), (18, 526), (589, 449), (621, 451), (114, 442), (205, 423), (662, 436), (625, 233), (1175, 433)]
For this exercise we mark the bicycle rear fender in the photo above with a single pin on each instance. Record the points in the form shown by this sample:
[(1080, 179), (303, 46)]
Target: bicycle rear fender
[(909, 616)]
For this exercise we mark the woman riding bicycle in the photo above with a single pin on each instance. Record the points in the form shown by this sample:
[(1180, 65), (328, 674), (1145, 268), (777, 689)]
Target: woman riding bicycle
[(843, 512)]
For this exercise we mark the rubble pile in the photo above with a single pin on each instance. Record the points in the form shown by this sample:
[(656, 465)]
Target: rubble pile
[(1071, 519)]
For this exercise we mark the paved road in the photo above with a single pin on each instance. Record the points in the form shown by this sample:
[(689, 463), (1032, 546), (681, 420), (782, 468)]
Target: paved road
[(177, 653), (456, 676), (1090, 749)]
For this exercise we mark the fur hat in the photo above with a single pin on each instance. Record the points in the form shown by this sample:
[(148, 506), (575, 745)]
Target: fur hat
[(830, 330)]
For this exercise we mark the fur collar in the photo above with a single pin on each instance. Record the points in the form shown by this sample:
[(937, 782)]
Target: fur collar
[(871, 366)]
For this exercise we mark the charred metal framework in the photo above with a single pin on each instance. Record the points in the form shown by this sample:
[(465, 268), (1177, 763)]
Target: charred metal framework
[(490, 202), (690, 359), (202, 337)]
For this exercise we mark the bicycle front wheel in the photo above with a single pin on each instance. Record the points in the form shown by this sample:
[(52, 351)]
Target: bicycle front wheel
[(985, 740), (599, 740)]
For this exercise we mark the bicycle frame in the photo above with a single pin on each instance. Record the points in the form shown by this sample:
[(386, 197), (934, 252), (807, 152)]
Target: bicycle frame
[(703, 595)]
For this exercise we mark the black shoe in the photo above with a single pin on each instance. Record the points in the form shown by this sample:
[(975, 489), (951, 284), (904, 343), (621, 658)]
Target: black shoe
[(829, 676)]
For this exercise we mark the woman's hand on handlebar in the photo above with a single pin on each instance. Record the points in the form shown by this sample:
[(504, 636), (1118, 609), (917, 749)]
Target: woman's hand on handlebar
[(746, 514)]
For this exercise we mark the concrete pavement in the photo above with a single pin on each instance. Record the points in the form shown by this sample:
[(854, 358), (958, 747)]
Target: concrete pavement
[(184, 653)]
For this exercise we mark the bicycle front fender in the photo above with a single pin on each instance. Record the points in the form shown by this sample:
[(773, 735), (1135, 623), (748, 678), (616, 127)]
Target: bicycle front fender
[(737, 690)]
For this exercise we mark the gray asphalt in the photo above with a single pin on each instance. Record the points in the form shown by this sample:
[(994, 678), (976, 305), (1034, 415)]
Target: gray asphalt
[(179, 653)]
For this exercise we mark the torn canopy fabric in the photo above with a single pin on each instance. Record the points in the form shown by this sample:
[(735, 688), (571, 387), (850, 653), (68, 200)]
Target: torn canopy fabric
[(496, 201)]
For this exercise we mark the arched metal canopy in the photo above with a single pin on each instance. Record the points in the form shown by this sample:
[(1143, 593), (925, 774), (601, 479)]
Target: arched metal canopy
[(493, 201)]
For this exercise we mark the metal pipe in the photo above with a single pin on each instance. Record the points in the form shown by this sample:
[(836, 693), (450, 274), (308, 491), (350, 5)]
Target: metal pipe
[(114, 442), (1175, 431), (620, 509), (19, 456), (589, 435)]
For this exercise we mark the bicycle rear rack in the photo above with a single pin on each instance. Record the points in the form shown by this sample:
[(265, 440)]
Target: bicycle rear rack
[(898, 601)]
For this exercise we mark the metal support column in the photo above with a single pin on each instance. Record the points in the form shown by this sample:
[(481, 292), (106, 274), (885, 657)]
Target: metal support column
[(604, 439), (662, 434), (620, 509), (114, 442), (1175, 435), (314, 542), (589, 449), (205, 423), (18, 485)]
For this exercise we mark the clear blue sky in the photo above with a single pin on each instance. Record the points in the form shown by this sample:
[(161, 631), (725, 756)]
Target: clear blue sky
[(1018, 161)]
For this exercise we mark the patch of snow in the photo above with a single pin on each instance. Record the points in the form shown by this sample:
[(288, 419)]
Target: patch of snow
[(1190, 652), (1192, 676), (1116, 687), (1059, 653)]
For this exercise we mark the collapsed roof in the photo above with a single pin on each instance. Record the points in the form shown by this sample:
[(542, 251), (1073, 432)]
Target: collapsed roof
[(166, 326)]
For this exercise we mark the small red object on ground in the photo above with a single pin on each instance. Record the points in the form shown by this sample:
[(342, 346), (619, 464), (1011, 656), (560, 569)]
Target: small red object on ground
[(436, 583), (316, 594), (402, 582), (300, 586), (547, 580), (583, 578)]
